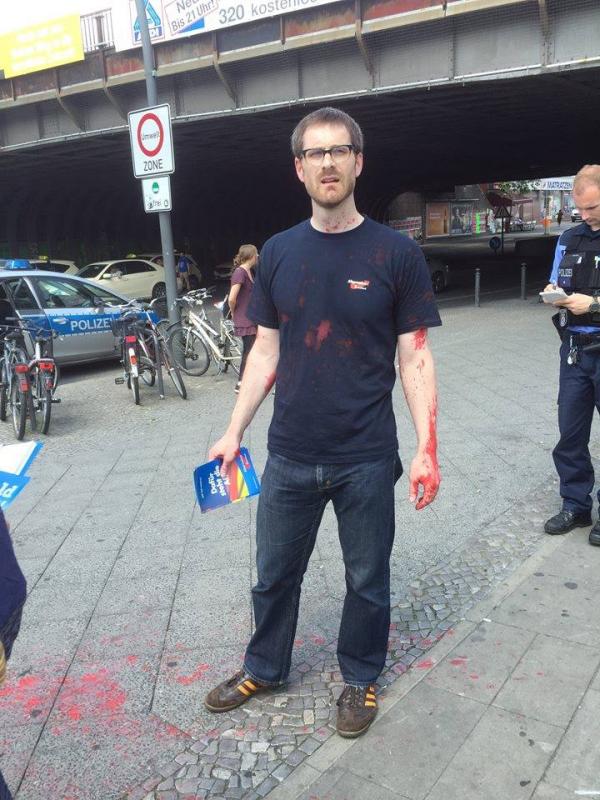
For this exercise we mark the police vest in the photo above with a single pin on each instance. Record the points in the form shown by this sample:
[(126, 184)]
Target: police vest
[(579, 271)]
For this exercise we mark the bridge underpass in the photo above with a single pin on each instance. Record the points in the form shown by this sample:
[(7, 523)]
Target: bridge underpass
[(507, 90)]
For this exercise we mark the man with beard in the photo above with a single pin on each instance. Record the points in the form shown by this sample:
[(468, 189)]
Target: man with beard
[(335, 299)]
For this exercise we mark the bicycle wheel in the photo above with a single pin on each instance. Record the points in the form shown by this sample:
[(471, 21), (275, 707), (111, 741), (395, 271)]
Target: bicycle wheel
[(18, 405), (172, 369), (233, 352), (135, 388), (147, 371), (133, 381), (45, 401), (195, 358), (3, 394)]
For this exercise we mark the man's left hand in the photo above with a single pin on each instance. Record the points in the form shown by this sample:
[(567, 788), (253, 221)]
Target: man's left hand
[(425, 474), (576, 303)]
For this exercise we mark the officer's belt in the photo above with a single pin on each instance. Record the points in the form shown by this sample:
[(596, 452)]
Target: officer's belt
[(581, 339)]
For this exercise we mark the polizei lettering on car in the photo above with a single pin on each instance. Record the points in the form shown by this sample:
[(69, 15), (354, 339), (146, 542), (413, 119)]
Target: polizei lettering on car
[(89, 324)]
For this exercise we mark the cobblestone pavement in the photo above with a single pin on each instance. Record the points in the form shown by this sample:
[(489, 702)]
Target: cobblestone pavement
[(138, 604), (259, 745)]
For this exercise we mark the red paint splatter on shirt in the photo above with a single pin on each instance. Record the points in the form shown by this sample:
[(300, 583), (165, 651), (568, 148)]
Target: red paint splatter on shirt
[(316, 336), (283, 318), (323, 331), (187, 680)]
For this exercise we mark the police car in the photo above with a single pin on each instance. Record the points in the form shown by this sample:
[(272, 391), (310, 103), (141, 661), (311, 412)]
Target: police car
[(78, 310)]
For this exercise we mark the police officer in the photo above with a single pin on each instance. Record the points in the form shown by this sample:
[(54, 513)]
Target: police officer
[(576, 269)]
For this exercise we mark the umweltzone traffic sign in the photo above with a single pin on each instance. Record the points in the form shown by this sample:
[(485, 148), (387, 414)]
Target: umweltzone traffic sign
[(151, 141)]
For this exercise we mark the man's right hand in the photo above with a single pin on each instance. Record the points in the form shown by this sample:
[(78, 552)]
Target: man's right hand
[(227, 448), (550, 288)]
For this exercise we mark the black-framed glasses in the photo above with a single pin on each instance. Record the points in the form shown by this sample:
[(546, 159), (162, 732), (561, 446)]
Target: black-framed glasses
[(338, 153)]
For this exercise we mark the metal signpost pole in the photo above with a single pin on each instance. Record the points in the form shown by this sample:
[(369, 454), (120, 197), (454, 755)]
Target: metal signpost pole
[(164, 217)]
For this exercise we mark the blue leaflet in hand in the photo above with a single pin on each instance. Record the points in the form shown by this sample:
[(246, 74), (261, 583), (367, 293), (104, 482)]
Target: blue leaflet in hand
[(214, 491)]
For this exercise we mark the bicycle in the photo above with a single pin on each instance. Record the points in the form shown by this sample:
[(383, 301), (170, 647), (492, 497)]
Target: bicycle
[(197, 340), (144, 351), (43, 378), (14, 374)]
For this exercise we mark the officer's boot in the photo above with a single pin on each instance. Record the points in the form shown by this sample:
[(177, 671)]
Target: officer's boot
[(595, 534)]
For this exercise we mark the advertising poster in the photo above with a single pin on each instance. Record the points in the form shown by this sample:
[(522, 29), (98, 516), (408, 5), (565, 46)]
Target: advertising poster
[(461, 219), (43, 46), (174, 19), (438, 219)]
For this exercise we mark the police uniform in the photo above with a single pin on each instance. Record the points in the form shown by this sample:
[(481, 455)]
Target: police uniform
[(577, 269)]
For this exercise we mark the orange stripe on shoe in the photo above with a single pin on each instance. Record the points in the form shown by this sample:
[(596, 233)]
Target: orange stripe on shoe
[(249, 685), (371, 705), (241, 688)]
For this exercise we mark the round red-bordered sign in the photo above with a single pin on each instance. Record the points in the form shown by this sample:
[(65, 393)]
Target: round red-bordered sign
[(161, 134)]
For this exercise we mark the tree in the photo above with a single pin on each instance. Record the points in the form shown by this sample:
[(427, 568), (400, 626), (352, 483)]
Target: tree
[(516, 187)]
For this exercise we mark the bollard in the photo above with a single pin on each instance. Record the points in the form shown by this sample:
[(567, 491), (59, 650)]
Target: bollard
[(477, 285), (523, 280)]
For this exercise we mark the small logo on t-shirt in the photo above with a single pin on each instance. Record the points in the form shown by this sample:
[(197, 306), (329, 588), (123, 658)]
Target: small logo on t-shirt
[(360, 285)]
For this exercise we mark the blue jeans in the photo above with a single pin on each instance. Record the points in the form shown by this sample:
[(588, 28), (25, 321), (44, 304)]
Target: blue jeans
[(578, 398), (292, 500)]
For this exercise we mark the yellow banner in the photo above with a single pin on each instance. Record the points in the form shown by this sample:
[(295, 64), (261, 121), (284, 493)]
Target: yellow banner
[(42, 46)]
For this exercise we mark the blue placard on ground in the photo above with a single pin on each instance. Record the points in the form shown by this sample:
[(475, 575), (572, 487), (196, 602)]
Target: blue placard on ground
[(15, 460), (214, 491), (10, 486)]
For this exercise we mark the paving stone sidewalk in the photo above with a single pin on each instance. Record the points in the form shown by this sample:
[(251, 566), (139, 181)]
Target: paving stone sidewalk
[(138, 604), (506, 705)]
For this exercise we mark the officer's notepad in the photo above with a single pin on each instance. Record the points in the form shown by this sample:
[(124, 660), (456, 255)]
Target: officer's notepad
[(14, 463), (214, 491), (555, 294)]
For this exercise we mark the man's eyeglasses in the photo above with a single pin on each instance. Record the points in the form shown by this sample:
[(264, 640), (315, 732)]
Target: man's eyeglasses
[(339, 153)]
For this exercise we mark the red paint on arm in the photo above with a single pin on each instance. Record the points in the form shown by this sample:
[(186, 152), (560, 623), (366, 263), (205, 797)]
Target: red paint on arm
[(429, 475), (269, 381), (420, 338)]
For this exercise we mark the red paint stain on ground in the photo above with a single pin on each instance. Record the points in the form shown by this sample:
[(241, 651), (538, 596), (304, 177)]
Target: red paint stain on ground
[(474, 677), (187, 680), (315, 639), (459, 662), (427, 664), (298, 642)]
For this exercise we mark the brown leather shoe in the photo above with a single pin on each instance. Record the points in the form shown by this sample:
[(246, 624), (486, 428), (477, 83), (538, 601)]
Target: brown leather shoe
[(232, 692), (357, 710)]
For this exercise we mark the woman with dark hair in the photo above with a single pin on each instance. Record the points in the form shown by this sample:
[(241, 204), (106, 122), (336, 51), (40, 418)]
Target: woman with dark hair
[(13, 590), (242, 281)]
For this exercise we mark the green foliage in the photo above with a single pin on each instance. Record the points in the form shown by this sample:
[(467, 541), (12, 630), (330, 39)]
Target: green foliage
[(516, 187)]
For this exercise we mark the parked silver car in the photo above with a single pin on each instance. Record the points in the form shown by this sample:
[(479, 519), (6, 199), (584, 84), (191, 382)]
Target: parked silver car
[(78, 310)]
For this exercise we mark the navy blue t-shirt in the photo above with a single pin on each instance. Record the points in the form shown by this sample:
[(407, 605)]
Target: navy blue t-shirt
[(340, 301)]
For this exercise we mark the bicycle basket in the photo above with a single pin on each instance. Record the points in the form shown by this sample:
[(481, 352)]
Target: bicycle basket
[(123, 325)]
